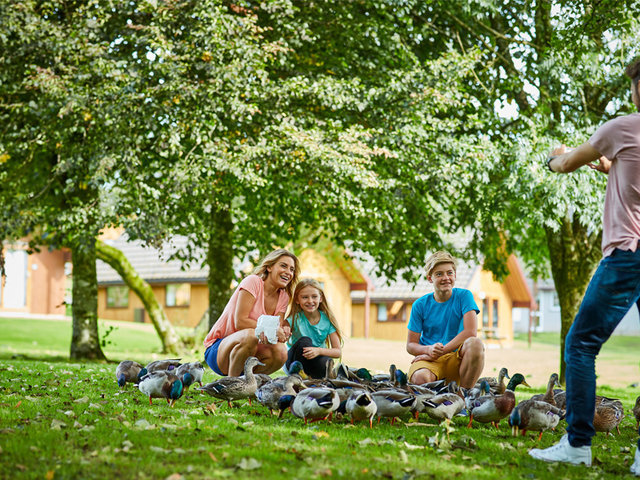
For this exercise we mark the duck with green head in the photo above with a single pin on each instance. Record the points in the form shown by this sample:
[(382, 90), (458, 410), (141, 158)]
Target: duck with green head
[(493, 408), (161, 385), (535, 415), (129, 371)]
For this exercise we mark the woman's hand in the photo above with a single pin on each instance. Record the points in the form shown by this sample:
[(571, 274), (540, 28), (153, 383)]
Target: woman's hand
[(310, 352)]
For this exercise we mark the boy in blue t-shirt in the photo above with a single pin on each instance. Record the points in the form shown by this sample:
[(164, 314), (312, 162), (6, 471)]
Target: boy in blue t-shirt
[(443, 329)]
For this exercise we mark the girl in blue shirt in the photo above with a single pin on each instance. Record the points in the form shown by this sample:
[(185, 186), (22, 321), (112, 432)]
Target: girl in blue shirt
[(313, 328)]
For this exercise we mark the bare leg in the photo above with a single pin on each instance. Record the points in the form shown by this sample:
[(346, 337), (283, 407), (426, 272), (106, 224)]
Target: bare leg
[(472, 353), (235, 349), (421, 376), (273, 357)]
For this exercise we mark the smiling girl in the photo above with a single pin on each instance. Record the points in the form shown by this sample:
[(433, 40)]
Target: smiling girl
[(313, 327), (267, 291)]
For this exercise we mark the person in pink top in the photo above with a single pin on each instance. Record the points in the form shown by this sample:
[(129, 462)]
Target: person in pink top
[(614, 149), (232, 339)]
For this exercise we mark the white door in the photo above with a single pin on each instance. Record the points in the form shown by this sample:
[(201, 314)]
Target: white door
[(14, 293)]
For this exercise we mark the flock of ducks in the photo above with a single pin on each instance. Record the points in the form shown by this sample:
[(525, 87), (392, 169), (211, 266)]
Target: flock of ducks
[(365, 397)]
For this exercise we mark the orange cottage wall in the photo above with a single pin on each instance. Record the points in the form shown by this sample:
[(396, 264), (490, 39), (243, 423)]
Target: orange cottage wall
[(381, 330), (337, 287), (178, 316), (496, 291), (46, 282)]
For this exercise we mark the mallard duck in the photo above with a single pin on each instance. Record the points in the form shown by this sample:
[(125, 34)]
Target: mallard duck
[(496, 385), (195, 369), (636, 412), (235, 388), (129, 371), (161, 385), (549, 395), (269, 394), (534, 415), (315, 404), (444, 406), (392, 403), (608, 415), (360, 406), (163, 365), (423, 395), (493, 408)]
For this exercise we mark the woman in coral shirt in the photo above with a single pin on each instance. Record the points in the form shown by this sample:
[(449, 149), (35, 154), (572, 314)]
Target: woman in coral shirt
[(267, 291)]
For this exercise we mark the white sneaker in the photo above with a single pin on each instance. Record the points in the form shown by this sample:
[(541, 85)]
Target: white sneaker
[(564, 452), (635, 468)]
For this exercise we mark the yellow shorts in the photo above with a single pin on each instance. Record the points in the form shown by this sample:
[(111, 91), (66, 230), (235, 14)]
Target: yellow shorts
[(447, 366)]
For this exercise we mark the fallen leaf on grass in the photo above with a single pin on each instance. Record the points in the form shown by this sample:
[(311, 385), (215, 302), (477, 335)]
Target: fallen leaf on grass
[(403, 456), (49, 475), (213, 457), (18, 404), (249, 464), (20, 467), (413, 447), (82, 400), (174, 476), (153, 448), (365, 442), (57, 424), (325, 472)]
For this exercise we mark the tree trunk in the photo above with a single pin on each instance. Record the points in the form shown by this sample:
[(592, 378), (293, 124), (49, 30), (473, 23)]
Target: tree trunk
[(85, 342), (171, 342), (220, 262), (574, 254)]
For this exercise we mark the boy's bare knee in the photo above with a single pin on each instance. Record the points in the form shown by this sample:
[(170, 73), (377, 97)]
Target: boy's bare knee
[(421, 376)]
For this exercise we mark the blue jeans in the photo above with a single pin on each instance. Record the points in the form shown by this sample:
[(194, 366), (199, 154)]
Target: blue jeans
[(612, 291)]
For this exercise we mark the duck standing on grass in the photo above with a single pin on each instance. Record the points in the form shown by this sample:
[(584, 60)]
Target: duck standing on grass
[(549, 395), (535, 415), (493, 408), (195, 369), (129, 371), (496, 385), (161, 384), (315, 404), (270, 393), (393, 403), (235, 388), (360, 406)]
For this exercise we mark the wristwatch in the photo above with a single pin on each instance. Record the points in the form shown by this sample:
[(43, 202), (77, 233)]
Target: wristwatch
[(549, 158)]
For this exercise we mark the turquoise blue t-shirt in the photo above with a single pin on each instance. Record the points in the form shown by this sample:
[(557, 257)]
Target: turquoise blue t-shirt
[(317, 333), (440, 322)]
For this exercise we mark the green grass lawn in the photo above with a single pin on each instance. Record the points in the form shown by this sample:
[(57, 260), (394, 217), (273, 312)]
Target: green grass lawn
[(70, 420)]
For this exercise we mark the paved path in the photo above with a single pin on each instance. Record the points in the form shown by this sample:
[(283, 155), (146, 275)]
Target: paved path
[(536, 363)]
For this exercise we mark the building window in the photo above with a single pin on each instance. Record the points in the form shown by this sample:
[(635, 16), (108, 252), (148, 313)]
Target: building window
[(118, 297), (555, 302), (495, 314), (485, 313), (178, 295), (392, 312)]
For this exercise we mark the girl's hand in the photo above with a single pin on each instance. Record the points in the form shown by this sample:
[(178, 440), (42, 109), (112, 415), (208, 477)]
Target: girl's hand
[(310, 352), (281, 335), (287, 331)]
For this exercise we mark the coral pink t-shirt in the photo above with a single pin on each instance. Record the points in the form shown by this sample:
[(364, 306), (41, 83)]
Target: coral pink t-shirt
[(619, 141), (226, 324)]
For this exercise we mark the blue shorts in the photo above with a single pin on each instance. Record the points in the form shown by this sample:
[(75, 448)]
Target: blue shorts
[(211, 356)]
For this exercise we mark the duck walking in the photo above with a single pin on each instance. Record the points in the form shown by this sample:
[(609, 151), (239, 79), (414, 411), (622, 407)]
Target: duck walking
[(549, 395), (129, 371), (161, 385), (235, 388)]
